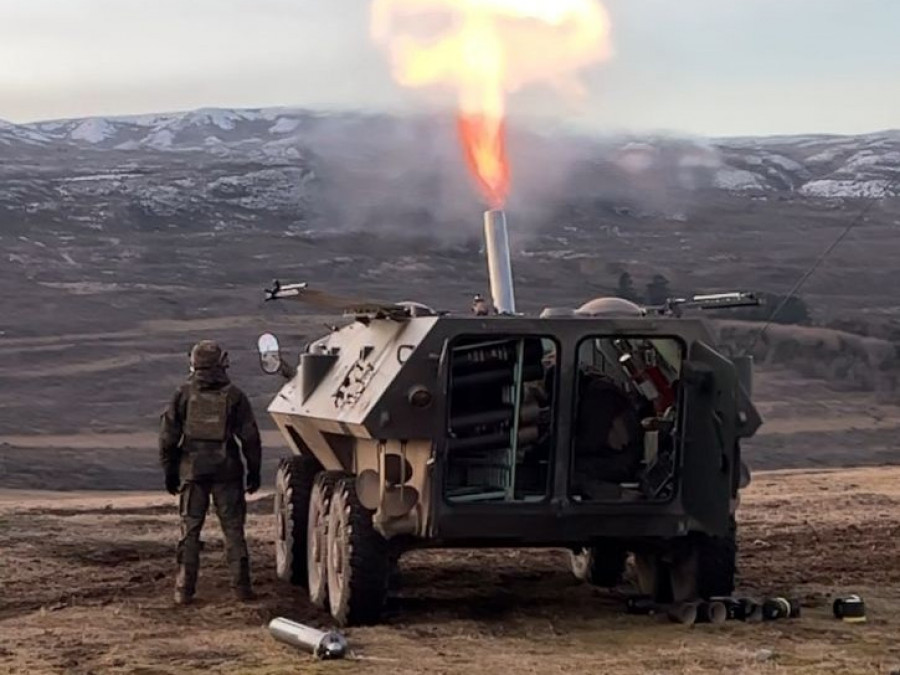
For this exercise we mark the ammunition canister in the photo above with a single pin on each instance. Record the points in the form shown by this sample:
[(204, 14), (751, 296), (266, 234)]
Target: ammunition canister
[(851, 609), (644, 606), (712, 612), (776, 608), (684, 613)]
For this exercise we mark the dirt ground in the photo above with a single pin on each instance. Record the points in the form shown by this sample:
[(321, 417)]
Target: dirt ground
[(87, 581)]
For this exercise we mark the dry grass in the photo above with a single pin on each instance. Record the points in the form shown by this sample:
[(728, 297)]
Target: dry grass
[(854, 361), (87, 582)]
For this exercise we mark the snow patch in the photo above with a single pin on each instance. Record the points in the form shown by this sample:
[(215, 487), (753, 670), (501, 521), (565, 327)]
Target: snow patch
[(785, 163), (833, 189), (94, 131), (223, 119), (869, 159), (161, 139), (824, 157), (285, 125), (101, 176), (737, 180)]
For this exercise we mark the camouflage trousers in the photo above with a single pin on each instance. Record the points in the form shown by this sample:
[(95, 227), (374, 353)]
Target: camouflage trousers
[(231, 508)]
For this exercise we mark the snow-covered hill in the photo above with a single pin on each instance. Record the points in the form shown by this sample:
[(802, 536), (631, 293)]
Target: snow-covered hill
[(291, 167), (815, 165)]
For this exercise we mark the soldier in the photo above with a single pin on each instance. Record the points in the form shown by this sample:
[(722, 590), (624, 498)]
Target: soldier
[(608, 437), (199, 453)]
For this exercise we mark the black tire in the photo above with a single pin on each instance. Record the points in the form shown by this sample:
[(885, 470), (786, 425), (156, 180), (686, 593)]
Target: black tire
[(602, 565), (395, 579), (707, 567), (293, 484), (317, 536), (652, 576), (358, 560), (717, 565)]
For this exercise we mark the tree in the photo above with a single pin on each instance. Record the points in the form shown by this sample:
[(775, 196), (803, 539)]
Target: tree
[(658, 290), (626, 288)]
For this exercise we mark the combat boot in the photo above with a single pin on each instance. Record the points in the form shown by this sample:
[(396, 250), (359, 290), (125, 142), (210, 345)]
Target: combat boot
[(241, 585), (182, 598), (185, 584)]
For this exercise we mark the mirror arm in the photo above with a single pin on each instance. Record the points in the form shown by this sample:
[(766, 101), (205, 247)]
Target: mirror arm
[(286, 370)]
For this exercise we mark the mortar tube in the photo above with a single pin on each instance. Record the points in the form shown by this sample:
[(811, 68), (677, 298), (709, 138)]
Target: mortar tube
[(496, 243)]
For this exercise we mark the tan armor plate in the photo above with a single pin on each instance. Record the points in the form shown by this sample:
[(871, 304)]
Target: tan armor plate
[(207, 415)]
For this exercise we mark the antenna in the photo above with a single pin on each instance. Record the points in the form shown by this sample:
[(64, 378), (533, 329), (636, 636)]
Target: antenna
[(803, 279)]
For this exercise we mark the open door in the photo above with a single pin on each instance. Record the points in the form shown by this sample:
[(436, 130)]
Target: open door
[(709, 437)]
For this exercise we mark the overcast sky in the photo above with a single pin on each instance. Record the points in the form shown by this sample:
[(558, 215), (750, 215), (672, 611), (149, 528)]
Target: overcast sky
[(704, 66)]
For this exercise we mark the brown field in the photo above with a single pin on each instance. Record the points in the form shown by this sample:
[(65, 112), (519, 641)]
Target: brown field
[(87, 589)]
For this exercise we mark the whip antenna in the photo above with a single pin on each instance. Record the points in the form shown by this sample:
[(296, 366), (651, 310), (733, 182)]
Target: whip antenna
[(806, 275)]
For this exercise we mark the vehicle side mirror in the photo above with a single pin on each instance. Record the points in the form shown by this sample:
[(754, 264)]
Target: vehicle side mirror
[(269, 353)]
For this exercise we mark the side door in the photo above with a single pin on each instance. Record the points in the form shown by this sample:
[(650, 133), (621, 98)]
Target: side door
[(709, 435)]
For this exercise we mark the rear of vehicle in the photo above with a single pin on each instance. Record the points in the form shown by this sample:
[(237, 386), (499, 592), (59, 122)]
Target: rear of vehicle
[(610, 437)]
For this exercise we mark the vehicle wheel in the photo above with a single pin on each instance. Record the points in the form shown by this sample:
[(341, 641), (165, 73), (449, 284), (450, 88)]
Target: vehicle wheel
[(357, 558), (707, 569), (395, 579), (717, 564), (651, 574), (602, 565), (317, 536), (293, 484)]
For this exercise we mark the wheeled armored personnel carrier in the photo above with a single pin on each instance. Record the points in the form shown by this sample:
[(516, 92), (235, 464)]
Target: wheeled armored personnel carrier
[(611, 430)]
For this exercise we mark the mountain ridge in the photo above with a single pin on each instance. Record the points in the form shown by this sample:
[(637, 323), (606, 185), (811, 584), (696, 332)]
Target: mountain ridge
[(815, 165), (299, 169)]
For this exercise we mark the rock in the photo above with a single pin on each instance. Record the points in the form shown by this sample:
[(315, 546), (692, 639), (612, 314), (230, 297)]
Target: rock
[(763, 655)]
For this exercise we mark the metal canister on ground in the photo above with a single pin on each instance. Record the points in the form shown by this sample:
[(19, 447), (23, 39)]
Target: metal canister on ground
[(780, 608), (752, 610), (712, 612), (740, 609), (641, 605), (322, 644), (850, 609), (684, 613), (733, 608)]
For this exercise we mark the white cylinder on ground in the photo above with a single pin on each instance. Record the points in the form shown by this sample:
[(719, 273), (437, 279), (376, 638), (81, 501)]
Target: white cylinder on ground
[(324, 645), (496, 241)]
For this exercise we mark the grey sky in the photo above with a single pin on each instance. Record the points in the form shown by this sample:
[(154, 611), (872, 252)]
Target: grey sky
[(704, 66)]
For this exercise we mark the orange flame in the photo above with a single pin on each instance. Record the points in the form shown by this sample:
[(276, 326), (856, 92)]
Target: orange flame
[(484, 50), (484, 144)]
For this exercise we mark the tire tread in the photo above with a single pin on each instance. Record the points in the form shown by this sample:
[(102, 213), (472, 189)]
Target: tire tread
[(301, 473), (368, 562)]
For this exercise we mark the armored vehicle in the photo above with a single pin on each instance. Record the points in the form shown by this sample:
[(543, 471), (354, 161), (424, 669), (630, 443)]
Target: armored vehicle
[(611, 430)]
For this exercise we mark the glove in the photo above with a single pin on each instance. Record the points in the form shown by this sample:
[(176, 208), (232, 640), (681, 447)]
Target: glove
[(253, 482), (173, 482)]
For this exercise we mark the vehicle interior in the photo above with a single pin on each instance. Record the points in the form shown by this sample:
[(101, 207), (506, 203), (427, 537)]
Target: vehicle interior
[(626, 419), (500, 419)]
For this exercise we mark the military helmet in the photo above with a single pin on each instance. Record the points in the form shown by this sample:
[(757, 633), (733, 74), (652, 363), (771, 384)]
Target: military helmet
[(208, 354)]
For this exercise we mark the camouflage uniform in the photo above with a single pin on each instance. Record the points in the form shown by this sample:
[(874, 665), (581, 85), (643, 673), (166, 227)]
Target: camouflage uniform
[(608, 438), (201, 459)]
